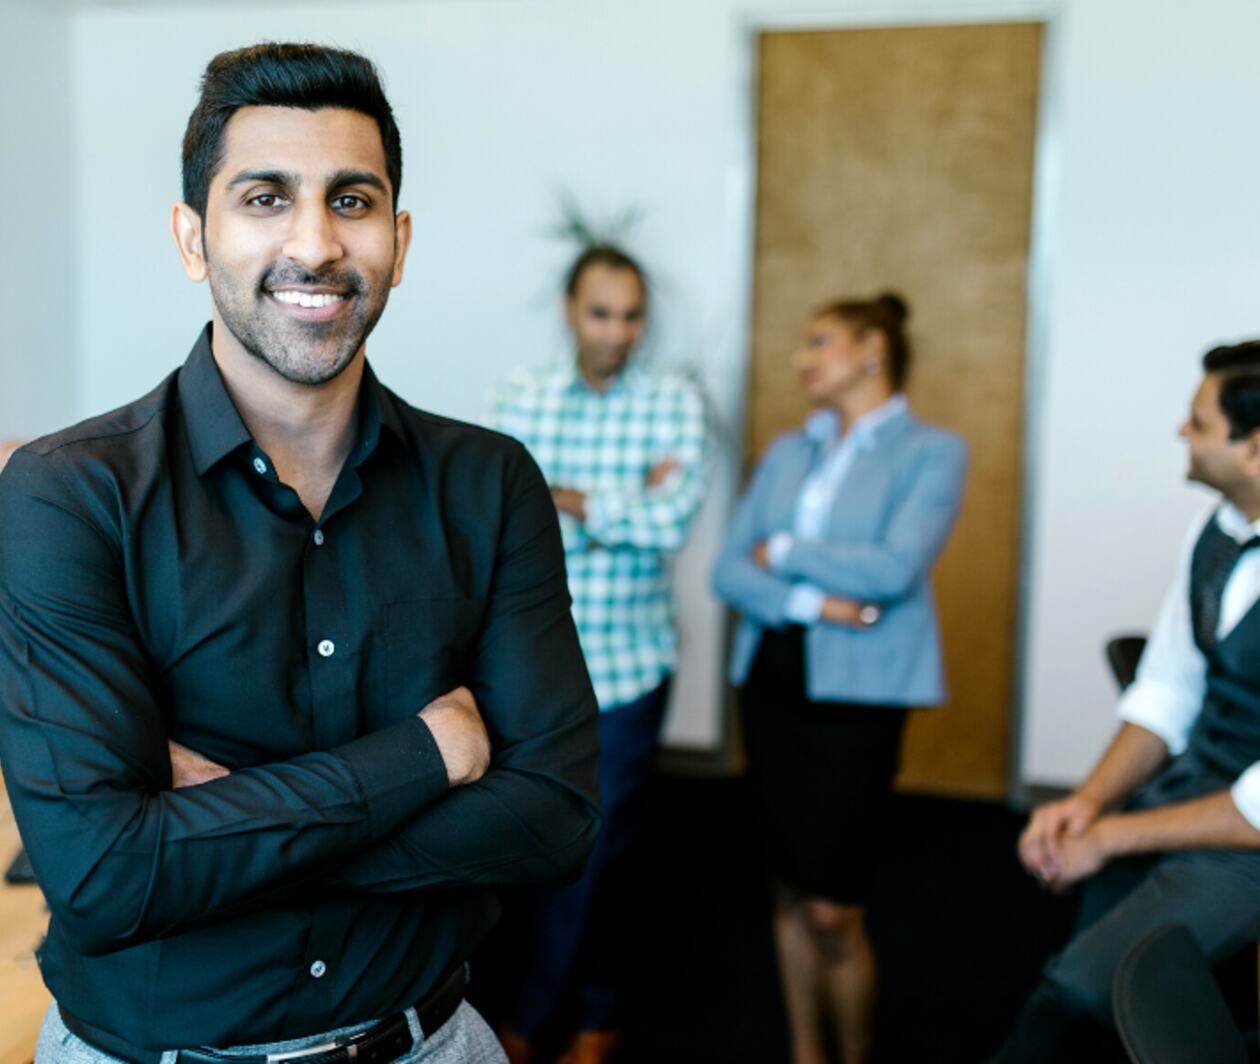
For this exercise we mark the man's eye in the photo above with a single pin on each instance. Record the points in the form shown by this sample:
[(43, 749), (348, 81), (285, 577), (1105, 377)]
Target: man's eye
[(266, 200), (348, 202)]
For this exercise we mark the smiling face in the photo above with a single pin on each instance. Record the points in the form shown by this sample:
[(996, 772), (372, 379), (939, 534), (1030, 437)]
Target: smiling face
[(300, 242), (1213, 458)]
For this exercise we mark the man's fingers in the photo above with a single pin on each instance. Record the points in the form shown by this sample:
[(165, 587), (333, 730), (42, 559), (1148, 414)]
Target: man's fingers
[(660, 471)]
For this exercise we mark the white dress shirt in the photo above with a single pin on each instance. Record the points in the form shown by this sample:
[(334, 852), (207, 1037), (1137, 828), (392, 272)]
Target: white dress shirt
[(818, 493), (1167, 695)]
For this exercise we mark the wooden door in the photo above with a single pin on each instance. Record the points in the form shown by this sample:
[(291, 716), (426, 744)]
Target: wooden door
[(903, 158)]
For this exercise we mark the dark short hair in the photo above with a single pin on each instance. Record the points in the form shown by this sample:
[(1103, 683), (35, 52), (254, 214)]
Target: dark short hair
[(1239, 367), (886, 313), (307, 76), (601, 255)]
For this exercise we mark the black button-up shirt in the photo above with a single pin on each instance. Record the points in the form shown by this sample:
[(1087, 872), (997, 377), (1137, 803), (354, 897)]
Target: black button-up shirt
[(157, 581)]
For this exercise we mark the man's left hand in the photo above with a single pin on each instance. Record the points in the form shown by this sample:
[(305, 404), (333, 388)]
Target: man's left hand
[(189, 768), (570, 501), (1080, 856)]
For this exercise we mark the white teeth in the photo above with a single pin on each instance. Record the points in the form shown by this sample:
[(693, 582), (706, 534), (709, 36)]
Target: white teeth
[(306, 299)]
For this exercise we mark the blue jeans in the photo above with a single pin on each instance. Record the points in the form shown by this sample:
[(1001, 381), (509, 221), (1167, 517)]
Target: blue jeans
[(577, 934)]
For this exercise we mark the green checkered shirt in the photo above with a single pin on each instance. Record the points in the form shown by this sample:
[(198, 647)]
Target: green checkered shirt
[(604, 444)]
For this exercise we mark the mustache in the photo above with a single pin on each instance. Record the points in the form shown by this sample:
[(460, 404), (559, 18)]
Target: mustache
[(282, 275)]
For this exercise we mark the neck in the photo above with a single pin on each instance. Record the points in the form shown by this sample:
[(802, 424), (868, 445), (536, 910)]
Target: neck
[(306, 430), (595, 381), (861, 400), (1247, 503)]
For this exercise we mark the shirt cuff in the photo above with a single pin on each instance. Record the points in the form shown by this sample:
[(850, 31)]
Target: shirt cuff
[(1159, 710), (1246, 795), (400, 771), (778, 547), (804, 604), (601, 511)]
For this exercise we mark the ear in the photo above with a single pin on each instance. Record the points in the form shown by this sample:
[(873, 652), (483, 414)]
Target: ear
[(189, 240), (402, 241)]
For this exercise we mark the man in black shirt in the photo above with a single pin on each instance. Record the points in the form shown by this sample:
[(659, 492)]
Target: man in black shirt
[(287, 672)]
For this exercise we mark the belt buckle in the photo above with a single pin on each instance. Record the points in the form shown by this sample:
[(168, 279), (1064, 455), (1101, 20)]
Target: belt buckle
[(350, 1045), (311, 1051)]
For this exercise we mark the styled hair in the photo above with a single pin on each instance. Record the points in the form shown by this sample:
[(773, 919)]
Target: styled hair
[(886, 313), (306, 76), (1239, 367), (601, 255)]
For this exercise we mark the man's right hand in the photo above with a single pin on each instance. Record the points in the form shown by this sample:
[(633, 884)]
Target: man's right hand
[(460, 735), (1040, 846)]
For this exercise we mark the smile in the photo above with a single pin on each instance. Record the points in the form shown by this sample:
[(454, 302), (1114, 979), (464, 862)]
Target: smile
[(308, 299), (310, 306)]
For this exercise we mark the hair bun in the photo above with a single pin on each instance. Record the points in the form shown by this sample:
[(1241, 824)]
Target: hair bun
[(895, 305)]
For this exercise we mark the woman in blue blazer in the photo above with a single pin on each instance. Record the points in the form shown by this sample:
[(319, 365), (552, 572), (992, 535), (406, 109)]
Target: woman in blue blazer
[(828, 560)]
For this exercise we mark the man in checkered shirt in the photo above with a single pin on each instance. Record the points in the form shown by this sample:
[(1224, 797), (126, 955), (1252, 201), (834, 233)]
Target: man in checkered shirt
[(623, 448)]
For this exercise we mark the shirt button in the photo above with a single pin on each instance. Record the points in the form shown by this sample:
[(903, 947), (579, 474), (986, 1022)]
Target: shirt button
[(318, 537), (326, 648), (260, 466), (318, 969)]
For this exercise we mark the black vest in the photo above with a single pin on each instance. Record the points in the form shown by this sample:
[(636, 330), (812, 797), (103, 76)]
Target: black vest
[(1225, 739)]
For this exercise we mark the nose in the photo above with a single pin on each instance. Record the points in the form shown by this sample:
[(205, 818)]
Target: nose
[(312, 241)]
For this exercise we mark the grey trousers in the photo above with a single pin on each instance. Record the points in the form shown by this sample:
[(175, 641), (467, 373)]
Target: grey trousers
[(464, 1039), (1215, 893)]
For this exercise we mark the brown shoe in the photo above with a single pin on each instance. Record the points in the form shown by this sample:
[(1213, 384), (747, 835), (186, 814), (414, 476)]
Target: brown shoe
[(592, 1047), (516, 1046)]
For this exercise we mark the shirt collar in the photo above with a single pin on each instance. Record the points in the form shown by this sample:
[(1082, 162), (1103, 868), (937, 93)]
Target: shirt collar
[(215, 428), (823, 426), (1233, 522), (571, 378)]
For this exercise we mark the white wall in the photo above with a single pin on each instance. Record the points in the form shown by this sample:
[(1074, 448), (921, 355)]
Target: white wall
[(1147, 223), (1156, 258), (38, 385)]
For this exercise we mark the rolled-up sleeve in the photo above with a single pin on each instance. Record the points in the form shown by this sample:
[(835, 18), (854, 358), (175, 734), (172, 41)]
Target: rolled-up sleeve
[(1166, 696)]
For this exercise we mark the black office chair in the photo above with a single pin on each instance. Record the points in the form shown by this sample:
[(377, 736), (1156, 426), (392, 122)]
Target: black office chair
[(1168, 1007), (1123, 654)]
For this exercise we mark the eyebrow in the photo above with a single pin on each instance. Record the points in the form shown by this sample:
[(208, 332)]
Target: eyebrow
[(339, 179)]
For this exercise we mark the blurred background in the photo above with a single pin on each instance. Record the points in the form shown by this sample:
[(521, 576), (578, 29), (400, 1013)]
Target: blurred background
[(1064, 190)]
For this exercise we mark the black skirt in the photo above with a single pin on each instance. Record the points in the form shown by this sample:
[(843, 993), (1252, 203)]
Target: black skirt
[(821, 772)]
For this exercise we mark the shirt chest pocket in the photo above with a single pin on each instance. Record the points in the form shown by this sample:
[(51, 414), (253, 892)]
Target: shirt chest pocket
[(429, 648)]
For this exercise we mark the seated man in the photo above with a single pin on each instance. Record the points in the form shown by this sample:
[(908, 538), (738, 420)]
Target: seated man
[(1167, 826)]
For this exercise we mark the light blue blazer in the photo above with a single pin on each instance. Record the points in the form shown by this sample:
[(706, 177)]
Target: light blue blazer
[(891, 516)]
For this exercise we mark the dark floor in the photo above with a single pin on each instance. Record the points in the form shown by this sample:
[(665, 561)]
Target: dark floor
[(960, 930)]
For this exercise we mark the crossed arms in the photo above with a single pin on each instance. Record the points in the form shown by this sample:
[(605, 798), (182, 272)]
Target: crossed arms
[(125, 856)]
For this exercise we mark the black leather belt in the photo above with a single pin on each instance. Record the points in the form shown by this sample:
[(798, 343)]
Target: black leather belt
[(382, 1042)]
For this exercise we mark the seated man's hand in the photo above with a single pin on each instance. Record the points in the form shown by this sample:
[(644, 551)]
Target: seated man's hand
[(460, 735), (850, 612), (1080, 856), (1041, 846), (189, 768)]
